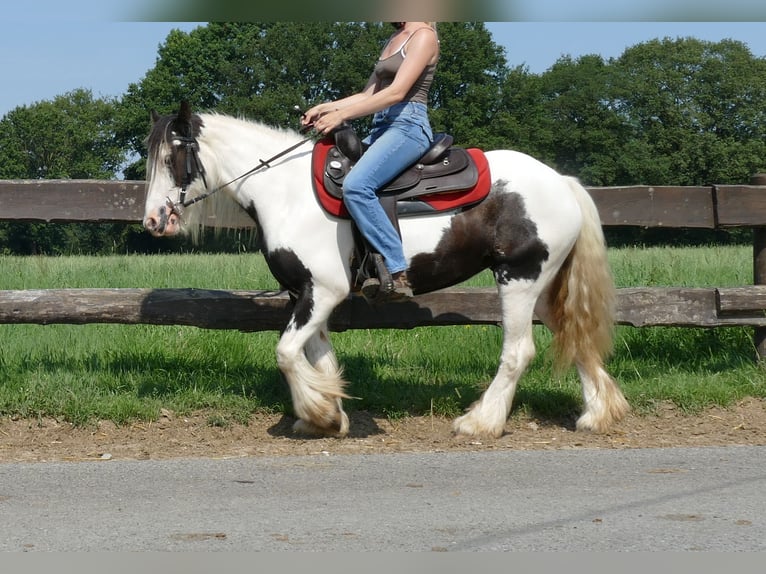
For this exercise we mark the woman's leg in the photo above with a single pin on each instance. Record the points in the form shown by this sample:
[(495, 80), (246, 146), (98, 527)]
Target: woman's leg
[(391, 153)]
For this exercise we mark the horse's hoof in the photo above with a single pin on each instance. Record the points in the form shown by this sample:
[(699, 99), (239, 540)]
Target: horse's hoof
[(302, 427), (469, 427)]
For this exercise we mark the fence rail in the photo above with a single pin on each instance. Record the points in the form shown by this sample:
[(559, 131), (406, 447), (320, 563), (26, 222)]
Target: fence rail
[(708, 207), (270, 310)]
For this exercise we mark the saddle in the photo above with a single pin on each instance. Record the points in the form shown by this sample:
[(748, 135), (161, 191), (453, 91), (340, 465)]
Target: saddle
[(445, 178)]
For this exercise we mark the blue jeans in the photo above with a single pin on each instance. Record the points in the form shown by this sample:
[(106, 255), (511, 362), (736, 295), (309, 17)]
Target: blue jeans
[(400, 135)]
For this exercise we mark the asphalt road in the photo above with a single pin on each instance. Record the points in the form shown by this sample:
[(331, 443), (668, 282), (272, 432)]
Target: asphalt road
[(699, 499)]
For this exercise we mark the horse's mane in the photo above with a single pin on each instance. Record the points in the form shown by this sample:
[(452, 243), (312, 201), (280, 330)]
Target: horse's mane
[(218, 211)]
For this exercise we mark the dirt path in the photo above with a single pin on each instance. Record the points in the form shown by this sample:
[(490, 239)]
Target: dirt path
[(192, 436)]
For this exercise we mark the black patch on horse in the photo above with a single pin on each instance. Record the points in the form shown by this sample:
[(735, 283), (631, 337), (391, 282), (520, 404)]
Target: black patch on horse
[(295, 278), (496, 234)]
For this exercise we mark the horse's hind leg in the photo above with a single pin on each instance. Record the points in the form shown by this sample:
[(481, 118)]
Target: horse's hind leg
[(488, 415), (603, 401)]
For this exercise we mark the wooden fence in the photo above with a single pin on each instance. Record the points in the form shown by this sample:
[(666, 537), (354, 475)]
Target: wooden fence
[(708, 207)]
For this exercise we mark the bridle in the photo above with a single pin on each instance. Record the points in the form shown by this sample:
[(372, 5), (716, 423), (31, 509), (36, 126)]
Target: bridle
[(193, 166), (192, 162)]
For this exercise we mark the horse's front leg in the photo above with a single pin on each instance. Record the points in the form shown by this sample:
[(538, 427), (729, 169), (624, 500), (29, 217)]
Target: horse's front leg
[(306, 359), (320, 353)]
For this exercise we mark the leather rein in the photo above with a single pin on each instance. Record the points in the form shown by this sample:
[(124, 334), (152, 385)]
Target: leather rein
[(194, 163)]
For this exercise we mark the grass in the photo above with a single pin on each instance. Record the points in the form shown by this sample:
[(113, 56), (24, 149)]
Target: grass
[(82, 373)]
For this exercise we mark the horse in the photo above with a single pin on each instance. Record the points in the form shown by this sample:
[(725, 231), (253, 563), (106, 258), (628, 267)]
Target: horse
[(538, 231)]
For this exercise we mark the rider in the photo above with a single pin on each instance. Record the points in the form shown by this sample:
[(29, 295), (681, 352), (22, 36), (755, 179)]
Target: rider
[(397, 95)]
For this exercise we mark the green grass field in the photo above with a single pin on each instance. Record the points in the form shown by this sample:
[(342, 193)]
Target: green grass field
[(82, 373)]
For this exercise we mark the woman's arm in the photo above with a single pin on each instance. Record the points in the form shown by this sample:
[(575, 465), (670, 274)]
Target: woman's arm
[(319, 110), (422, 49)]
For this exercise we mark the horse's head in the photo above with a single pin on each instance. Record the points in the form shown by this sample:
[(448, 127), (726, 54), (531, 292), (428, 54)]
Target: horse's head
[(173, 166)]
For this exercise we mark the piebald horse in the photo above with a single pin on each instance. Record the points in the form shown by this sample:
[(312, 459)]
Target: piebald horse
[(537, 231)]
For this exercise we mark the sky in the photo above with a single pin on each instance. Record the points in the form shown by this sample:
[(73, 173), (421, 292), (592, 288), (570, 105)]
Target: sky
[(51, 47)]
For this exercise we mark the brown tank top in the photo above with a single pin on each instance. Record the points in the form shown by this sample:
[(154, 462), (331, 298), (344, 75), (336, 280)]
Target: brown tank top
[(385, 72)]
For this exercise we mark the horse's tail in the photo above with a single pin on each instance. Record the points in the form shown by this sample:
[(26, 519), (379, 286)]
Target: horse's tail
[(583, 299), (582, 305)]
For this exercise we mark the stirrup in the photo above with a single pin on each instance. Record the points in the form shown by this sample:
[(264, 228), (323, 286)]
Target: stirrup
[(376, 285), (371, 288), (395, 290)]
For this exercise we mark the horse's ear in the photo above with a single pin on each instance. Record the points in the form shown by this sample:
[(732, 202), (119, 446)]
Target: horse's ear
[(184, 112), (155, 116)]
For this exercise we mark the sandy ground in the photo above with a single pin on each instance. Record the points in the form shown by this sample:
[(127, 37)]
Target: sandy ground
[(270, 435)]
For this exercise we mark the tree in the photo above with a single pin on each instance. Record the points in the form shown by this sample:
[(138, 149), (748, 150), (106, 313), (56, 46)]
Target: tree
[(466, 97), (584, 131), (70, 137), (522, 122), (695, 111), (263, 70)]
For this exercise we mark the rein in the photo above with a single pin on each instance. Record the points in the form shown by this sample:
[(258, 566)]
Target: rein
[(192, 152)]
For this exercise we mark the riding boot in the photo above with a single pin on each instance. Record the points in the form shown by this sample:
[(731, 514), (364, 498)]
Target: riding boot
[(401, 289), (390, 288)]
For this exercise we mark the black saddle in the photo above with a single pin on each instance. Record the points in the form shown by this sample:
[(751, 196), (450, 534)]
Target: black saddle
[(443, 168)]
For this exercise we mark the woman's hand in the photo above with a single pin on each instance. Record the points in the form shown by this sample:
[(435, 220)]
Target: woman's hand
[(311, 115), (323, 118), (328, 121)]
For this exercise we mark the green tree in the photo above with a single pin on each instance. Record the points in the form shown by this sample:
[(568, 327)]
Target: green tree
[(522, 121), (695, 111), (70, 137), (584, 132), (263, 70), (466, 96)]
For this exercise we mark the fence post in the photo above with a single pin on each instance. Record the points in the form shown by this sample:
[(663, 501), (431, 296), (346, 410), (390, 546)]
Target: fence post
[(759, 272)]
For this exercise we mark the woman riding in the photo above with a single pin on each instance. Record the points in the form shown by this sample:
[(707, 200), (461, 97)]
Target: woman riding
[(397, 95)]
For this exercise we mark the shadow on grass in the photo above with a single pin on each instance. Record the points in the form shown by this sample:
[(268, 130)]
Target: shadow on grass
[(551, 406), (165, 376), (211, 380)]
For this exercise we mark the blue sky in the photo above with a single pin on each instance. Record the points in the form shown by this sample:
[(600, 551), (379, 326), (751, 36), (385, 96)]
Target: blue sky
[(539, 44), (79, 44)]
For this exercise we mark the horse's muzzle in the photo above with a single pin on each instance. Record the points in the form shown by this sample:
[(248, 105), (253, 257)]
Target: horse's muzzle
[(165, 221)]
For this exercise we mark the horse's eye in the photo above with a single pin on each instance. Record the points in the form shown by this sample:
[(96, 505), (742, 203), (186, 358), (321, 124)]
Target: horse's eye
[(168, 160)]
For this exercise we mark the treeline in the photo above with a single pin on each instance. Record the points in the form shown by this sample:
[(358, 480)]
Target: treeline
[(666, 112)]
